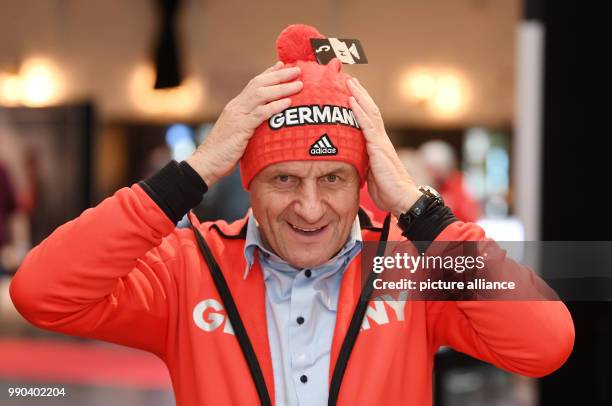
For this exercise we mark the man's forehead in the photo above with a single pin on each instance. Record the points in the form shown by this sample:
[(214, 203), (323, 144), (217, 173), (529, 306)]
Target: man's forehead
[(305, 168)]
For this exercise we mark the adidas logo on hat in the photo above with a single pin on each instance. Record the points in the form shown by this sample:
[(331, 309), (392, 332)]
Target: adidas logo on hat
[(323, 146)]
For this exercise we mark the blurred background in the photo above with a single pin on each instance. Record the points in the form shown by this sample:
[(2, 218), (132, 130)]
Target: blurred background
[(501, 105)]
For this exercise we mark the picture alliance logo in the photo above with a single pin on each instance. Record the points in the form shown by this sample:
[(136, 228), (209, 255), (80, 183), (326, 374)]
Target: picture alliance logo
[(323, 146)]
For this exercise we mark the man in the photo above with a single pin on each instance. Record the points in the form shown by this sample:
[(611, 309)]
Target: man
[(288, 275)]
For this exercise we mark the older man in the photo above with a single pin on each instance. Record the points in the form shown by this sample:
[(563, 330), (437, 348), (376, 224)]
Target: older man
[(266, 310)]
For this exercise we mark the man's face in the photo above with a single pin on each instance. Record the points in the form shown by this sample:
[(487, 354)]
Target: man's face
[(305, 209)]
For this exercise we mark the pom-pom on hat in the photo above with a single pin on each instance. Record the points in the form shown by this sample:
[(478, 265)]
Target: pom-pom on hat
[(319, 125)]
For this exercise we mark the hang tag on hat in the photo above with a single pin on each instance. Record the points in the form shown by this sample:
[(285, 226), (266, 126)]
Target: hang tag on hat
[(349, 51)]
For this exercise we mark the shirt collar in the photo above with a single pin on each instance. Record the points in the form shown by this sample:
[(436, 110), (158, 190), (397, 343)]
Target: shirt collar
[(254, 240)]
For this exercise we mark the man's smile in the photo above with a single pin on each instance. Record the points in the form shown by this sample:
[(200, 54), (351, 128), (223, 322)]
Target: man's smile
[(308, 231)]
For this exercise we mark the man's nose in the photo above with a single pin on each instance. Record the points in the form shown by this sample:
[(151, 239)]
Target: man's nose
[(309, 204)]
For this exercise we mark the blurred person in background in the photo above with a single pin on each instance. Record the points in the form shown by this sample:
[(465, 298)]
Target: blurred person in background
[(8, 206), (268, 307), (440, 164), (18, 198)]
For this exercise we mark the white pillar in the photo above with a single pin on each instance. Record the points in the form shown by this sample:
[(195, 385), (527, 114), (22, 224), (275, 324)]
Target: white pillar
[(528, 136)]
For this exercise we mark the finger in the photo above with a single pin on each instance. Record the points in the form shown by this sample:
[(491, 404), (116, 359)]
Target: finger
[(275, 77), (267, 94), (276, 66), (363, 90), (363, 97), (263, 112), (248, 99), (364, 121)]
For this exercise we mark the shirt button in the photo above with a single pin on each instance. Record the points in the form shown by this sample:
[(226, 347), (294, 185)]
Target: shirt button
[(308, 273), (304, 378), (300, 320)]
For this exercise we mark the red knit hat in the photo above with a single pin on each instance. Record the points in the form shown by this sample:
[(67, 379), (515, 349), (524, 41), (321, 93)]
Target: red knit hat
[(319, 125)]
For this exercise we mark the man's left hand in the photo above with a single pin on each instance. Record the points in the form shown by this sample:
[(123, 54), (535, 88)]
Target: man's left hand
[(389, 184)]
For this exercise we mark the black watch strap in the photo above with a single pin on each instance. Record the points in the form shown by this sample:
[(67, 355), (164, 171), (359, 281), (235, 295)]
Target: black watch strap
[(426, 200), (426, 219)]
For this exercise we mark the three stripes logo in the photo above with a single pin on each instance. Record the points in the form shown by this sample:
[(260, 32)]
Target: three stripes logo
[(323, 146)]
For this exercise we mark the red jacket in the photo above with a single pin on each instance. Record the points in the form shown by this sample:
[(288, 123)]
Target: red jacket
[(122, 272)]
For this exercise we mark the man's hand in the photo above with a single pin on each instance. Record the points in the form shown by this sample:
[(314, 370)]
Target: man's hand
[(264, 96), (389, 184)]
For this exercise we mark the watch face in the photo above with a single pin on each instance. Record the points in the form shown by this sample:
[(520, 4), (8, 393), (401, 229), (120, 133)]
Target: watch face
[(431, 191)]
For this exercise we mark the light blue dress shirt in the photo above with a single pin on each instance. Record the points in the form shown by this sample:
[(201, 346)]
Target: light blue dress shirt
[(301, 315)]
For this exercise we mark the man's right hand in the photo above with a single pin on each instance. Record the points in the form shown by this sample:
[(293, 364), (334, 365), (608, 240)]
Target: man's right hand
[(265, 95)]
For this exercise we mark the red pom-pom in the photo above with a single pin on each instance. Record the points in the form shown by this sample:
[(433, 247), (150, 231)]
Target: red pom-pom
[(293, 43)]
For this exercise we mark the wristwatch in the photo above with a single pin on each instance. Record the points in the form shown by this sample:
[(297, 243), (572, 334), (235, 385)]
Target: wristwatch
[(430, 197)]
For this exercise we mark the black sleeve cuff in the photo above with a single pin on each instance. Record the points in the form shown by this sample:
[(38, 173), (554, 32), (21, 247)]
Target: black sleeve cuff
[(430, 224), (176, 188)]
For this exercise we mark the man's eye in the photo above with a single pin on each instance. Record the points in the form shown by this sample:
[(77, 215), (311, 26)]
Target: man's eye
[(285, 181), (331, 178)]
